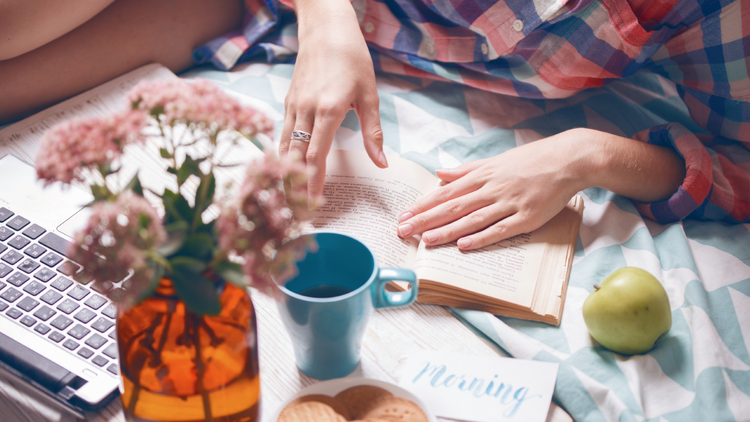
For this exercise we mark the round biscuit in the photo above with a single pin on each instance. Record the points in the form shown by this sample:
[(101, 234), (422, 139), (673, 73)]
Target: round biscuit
[(312, 411), (395, 409), (335, 404), (360, 397)]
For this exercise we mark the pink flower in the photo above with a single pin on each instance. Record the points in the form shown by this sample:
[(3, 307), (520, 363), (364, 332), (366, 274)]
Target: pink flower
[(199, 102), (125, 233), (72, 148), (119, 236), (263, 215)]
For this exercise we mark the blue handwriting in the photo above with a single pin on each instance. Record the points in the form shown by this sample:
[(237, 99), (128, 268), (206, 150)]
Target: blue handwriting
[(477, 387)]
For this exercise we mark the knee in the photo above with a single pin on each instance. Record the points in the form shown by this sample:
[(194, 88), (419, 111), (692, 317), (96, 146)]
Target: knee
[(27, 25)]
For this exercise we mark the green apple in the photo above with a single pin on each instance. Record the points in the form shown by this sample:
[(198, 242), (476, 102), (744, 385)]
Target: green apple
[(628, 312)]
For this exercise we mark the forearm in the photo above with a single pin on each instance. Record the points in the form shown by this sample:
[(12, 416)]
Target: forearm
[(318, 14), (637, 170), (120, 38), (26, 25)]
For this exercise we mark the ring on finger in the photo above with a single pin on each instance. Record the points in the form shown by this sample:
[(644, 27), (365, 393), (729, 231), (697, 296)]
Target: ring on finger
[(300, 135)]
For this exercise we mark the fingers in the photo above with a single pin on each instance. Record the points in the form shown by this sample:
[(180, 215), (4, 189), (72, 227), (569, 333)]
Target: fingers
[(326, 124), (372, 132), (454, 189), (452, 210), (503, 229), (482, 227), (321, 124), (295, 145), (437, 197), (286, 132), (451, 175), (458, 219)]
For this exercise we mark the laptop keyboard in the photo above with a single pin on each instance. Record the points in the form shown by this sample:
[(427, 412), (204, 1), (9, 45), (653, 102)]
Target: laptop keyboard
[(38, 292)]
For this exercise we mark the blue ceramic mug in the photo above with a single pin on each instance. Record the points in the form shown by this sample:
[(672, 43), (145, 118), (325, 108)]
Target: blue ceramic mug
[(326, 306)]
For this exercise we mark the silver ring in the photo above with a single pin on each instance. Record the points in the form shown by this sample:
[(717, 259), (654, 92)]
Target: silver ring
[(301, 135)]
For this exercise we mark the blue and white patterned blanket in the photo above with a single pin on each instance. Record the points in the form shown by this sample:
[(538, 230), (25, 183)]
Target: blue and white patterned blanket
[(701, 370)]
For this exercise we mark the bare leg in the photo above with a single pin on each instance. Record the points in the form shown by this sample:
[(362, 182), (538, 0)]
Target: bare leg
[(27, 25), (124, 36)]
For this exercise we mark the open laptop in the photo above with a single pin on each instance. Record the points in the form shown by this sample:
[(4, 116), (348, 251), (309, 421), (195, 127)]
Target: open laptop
[(56, 334)]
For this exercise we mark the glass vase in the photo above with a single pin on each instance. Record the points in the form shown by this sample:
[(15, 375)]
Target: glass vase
[(179, 366)]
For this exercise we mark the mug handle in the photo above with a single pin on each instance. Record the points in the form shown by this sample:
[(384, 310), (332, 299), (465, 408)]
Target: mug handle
[(386, 299)]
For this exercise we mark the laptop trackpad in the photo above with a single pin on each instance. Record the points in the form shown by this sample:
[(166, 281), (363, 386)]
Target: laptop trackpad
[(75, 223)]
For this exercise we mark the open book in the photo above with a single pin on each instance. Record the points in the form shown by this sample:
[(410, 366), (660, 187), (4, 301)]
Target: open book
[(525, 276), (23, 138)]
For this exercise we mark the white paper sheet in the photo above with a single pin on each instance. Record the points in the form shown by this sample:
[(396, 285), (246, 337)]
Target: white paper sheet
[(481, 389)]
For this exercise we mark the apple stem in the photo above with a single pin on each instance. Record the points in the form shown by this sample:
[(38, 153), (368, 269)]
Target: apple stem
[(596, 286)]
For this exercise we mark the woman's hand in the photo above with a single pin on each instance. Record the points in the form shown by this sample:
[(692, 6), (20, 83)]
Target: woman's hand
[(333, 74), (486, 201)]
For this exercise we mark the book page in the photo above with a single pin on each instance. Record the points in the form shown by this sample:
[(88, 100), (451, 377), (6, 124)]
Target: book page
[(506, 270), (24, 137), (365, 201)]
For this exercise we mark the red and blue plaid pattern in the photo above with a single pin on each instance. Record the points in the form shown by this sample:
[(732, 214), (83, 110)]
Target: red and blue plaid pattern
[(549, 49)]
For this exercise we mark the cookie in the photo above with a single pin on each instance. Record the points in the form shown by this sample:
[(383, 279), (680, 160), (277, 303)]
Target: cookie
[(395, 409), (370, 420), (336, 405), (312, 411), (359, 398)]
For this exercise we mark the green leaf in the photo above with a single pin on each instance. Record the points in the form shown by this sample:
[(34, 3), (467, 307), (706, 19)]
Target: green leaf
[(105, 169), (196, 291), (199, 245), (176, 234), (188, 264), (205, 193), (100, 192), (157, 261), (158, 274), (165, 153), (232, 272), (176, 206), (176, 227), (189, 167), (156, 111), (135, 185)]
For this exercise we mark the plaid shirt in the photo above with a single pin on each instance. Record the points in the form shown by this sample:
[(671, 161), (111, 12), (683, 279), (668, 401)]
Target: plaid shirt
[(555, 48)]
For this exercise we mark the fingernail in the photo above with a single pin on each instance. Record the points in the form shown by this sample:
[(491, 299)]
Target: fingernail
[(383, 161), (405, 216), (464, 243), (431, 237), (405, 230)]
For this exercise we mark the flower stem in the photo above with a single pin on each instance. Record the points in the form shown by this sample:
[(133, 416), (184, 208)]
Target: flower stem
[(200, 369), (139, 361), (164, 334)]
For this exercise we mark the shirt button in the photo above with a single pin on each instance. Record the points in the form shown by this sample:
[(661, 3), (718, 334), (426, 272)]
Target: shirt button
[(369, 27), (518, 25), (485, 49)]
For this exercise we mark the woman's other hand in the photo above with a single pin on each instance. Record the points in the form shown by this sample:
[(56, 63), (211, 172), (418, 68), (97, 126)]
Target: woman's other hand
[(333, 74), (486, 201)]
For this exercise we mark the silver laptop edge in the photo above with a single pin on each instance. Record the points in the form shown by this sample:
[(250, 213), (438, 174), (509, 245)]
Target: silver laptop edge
[(57, 209)]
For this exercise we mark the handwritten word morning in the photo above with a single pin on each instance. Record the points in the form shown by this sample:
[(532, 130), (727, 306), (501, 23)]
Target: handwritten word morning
[(438, 376)]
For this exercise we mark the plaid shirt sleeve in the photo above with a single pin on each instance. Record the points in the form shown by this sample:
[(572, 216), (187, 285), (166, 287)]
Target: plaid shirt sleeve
[(709, 61), (555, 48), (265, 29)]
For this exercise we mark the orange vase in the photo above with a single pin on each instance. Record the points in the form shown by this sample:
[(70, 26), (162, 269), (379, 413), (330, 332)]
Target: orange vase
[(179, 366)]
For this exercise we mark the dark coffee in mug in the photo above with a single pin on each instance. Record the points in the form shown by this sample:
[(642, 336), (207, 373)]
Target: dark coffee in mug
[(326, 305)]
